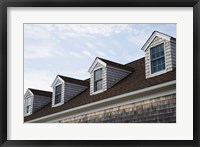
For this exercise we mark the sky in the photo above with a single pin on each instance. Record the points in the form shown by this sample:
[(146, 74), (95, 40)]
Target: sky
[(70, 49)]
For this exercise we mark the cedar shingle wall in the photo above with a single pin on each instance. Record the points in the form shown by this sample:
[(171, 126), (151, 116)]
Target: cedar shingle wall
[(157, 110)]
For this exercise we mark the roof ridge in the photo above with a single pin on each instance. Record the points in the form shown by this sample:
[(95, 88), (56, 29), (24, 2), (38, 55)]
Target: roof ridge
[(70, 78), (112, 63), (74, 80), (38, 90), (127, 64)]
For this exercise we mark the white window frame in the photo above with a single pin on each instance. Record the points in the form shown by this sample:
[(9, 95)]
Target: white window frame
[(27, 104), (98, 80), (58, 104), (98, 91), (161, 71)]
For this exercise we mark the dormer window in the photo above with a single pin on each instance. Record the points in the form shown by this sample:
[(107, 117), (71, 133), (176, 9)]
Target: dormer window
[(104, 74), (28, 105), (160, 54), (35, 99), (66, 88), (157, 58), (98, 78), (58, 94)]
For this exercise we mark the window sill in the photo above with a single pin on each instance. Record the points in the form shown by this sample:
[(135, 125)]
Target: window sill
[(157, 73), (56, 105), (97, 92)]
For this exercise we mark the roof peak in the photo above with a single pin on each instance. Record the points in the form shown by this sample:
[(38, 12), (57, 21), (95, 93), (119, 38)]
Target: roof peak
[(41, 92), (74, 80), (116, 64), (156, 34)]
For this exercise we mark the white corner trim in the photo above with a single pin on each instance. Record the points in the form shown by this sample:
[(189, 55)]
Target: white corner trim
[(108, 99), (155, 34), (97, 60)]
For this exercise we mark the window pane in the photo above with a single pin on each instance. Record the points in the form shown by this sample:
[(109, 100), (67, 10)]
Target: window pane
[(29, 101), (58, 89), (28, 109), (98, 74), (157, 51), (98, 85), (157, 58), (57, 99)]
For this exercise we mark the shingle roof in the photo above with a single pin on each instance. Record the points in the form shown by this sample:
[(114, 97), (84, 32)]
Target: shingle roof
[(75, 81), (134, 81), (41, 92), (117, 65)]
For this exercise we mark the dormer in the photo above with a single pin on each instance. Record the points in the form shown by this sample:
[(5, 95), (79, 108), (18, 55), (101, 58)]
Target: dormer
[(104, 74), (65, 88), (160, 54), (35, 99)]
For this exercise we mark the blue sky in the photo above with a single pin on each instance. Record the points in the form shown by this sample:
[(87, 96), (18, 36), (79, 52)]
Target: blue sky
[(70, 49)]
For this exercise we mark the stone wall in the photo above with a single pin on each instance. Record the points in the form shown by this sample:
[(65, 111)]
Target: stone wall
[(157, 110)]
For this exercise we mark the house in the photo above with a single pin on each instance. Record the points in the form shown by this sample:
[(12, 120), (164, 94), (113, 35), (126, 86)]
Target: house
[(142, 91)]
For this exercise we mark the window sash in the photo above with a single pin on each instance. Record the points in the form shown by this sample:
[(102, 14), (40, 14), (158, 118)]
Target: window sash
[(28, 109), (58, 90), (98, 85), (98, 74), (28, 101), (157, 58), (57, 98), (98, 79)]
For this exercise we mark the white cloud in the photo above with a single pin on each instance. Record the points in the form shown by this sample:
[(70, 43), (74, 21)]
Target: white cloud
[(36, 31), (75, 54), (87, 53), (41, 51), (100, 29), (101, 54), (90, 45)]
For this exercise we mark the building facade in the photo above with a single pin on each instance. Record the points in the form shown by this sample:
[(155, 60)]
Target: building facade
[(142, 91)]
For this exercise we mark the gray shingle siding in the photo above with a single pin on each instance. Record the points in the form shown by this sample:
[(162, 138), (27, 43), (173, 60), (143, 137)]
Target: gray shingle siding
[(40, 101), (173, 53), (114, 75), (71, 90)]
